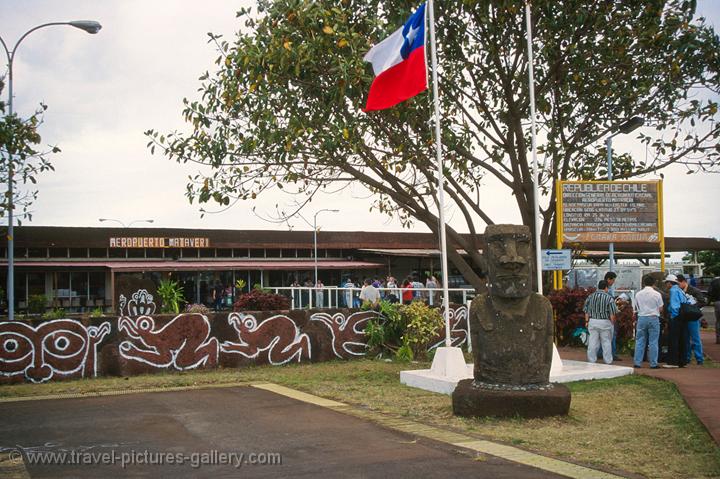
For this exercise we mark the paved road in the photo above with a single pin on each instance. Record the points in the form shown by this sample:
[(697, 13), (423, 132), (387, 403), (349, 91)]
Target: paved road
[(312, 441)]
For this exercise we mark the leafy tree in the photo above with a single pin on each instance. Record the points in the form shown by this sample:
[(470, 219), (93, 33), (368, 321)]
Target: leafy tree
[(710, 261), (20, 153), (284, 108)]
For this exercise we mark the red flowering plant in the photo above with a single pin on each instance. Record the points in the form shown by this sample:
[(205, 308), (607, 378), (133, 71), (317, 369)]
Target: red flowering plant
[(260, 300), (567, 306)]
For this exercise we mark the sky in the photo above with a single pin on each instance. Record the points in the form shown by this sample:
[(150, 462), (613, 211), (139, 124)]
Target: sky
[(103, 91)]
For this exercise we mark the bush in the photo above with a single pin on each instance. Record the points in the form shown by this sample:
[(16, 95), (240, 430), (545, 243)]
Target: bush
[(37, 303), (259, 300), (97, 313), (171, 296), (405, 331), (197, 308), (56, 313), (568, 307), (422, 324)]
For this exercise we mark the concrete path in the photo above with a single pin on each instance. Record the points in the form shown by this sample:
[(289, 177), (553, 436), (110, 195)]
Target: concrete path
[(699, 385), (212, 424)]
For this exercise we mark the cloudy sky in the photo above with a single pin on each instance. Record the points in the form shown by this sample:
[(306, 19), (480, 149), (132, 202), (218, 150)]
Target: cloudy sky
[(105, 90)]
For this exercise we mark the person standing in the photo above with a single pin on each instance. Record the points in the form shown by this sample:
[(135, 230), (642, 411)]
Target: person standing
[(600, 310), (370, 294), (217, 295), (349, 285), (649, 307), (714, 298), (407, 291), (676, 329), (431, 284), (319, 294), (693, 343)]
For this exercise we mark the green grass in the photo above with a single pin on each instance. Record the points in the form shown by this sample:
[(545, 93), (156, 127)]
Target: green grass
[(635, 423)]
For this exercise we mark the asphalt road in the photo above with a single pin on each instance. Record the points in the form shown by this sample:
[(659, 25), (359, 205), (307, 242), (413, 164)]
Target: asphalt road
[(309, 440)]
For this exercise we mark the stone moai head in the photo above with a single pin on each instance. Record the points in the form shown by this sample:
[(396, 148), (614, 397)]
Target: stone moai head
[(508, 252)]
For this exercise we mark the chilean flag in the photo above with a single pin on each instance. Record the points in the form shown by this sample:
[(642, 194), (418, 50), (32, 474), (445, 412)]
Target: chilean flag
[(399, 64)]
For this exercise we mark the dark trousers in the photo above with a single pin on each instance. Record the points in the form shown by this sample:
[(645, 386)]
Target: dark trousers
[(677, 333)]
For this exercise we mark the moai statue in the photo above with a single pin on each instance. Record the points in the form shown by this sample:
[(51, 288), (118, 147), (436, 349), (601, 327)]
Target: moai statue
[(512, 337)]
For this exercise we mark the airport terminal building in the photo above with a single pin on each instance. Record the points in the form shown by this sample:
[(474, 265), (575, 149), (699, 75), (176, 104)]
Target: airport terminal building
[(77, 267)]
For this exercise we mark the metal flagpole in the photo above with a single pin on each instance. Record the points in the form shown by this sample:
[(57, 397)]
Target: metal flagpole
[(441, 176), (536, 187)]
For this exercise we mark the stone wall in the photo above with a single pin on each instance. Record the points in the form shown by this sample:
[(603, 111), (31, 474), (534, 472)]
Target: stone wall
[(40, 351)]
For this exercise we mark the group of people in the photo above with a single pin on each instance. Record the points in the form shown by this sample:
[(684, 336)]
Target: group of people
[(374, 290), (660, 319)]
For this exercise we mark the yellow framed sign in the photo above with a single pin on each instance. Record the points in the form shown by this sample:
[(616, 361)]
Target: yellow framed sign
[(609, 212)]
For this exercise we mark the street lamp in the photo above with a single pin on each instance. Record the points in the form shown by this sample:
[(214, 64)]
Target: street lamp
[(123, 224), (89, 26), (315, 239), (629, 126)]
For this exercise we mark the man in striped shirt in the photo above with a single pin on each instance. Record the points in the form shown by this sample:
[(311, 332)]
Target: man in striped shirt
[(600, 311)]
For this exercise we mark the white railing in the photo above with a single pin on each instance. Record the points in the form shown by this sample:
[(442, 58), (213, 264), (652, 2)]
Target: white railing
[(335, 297)]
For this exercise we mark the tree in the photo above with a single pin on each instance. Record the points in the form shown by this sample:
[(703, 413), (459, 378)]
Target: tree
[(709, 259), (19, 141), (283, 110)]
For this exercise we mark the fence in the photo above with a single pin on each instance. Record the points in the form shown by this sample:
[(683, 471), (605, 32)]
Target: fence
[(335, 297)]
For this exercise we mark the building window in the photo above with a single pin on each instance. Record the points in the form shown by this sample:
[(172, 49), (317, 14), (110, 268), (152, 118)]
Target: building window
[(37, 252), (224, 252), (289, 253), (257, 253), (117, 253), (304, 253), (189, 252), (96, 281), (207, 252), (58, 252), (98, 253), (78, 252), (136, 253), (154, 253), (272, 253), (173, 253), (240, 253)]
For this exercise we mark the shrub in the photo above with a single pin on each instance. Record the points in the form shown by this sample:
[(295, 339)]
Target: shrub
[(97, 313), (56, 313), (568, 307), (259, 300), (171, 295), (404, 331), (197, 308), (422, 323), (36, 303)]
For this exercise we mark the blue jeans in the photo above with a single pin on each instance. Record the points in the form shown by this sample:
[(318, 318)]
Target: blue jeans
[(648, 333), (693, 344)]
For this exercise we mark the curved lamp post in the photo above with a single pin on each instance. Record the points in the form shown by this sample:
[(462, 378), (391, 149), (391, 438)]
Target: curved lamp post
[(89, 26), (123, 224), (315, 239), (629, 126)]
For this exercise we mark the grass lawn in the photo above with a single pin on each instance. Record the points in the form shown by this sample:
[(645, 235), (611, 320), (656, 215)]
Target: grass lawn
[(635, 423)]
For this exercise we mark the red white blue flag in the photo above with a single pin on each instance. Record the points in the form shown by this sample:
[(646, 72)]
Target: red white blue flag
[(399, 64)]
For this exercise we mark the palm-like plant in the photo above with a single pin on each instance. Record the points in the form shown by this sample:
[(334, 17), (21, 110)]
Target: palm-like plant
[(171, 295)]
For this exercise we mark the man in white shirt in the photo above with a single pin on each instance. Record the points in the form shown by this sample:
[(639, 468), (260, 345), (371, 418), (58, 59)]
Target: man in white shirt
[(369, 293), (649, 307)]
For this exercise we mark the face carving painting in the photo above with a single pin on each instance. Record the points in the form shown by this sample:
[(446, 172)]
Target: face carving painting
[(63, 347)]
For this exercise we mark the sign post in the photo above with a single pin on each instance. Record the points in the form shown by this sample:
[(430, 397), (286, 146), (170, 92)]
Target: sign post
[(610, 212)]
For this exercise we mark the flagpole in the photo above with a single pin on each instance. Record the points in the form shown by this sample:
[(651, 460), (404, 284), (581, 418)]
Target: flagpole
[(536, 189), (441, 176)]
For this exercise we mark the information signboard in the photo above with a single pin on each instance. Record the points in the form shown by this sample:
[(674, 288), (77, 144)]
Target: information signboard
[(610, 211), (556, 259)]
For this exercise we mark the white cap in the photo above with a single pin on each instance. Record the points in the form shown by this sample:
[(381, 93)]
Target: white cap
[(672, 278)]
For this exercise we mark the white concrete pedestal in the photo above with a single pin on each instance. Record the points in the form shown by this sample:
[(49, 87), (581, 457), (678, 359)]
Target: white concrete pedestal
[(560, 372)]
